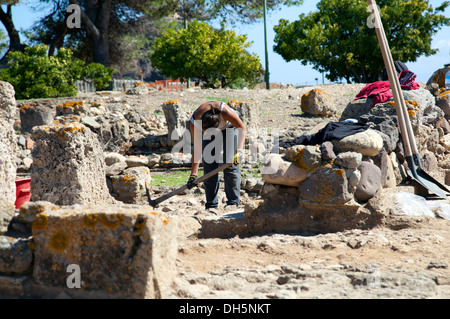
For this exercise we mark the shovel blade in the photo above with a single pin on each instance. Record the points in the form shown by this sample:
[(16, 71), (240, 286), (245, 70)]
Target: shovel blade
[(424, 179), (147, 191)]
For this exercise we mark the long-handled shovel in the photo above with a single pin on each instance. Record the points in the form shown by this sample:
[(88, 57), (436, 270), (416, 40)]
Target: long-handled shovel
[(156, 202), (411, 152)]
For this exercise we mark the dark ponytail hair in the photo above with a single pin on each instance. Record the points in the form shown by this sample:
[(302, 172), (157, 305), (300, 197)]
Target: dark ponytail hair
[(211, 118)]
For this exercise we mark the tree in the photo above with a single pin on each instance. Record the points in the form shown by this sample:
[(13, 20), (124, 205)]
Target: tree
[(34, 74), (243, 11), (100, 21), (14, 37), (208, 54), (337, 40), (130, 37)]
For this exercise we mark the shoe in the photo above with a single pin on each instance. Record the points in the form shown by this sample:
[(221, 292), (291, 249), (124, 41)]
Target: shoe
[(231, 208), (213, 211)]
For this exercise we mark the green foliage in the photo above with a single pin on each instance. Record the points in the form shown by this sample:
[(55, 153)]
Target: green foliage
[(336, 39), (210, 55), (230, 11), (3, 43), (34, 74)]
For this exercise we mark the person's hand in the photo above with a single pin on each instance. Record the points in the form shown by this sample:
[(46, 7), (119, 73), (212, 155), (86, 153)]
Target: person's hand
[(190, 183), (237, 157)]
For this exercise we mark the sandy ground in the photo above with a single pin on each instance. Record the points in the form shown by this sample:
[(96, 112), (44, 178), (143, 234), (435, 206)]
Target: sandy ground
[(384, 262)]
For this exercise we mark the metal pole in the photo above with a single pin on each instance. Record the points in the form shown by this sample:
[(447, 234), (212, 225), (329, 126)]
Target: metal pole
[(265, 43), (186, 27)]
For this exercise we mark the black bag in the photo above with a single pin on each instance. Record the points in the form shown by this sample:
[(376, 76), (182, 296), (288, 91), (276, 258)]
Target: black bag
[(399, 67)]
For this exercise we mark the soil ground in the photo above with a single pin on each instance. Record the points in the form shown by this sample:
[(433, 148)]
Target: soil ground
[(410, 262)]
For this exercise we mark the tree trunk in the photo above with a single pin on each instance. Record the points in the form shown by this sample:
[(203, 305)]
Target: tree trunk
[(96, 17), (14, 38), (101, 42), (101, 50)]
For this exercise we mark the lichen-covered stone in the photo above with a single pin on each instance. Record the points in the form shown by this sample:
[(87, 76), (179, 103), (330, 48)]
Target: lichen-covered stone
[(443, 102), (248, 112), (129, 187), (439, 77), (121, 251), (326, 186), (318, 103), (306, 157), (35, 114), (8, 146), (68, 166)]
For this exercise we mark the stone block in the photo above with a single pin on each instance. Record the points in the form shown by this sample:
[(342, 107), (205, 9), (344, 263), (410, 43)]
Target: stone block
[(439, 77), (368, 143), (177, 119), (327, 151), (7, 102), (248, 112), (443, 102), (129, 187), (357, 108), (8, 146), (124, 251), (326, 186), (6, 214), (318, 103), (281, 172), (348, 159), (68, 166), (8, 151), (35, 114), (308, 158), (13, 286), (370, 181), (15, 256), (72, 108), (304, 217)]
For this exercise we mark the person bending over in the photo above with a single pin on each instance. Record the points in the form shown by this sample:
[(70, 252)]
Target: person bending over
[(216, 128)]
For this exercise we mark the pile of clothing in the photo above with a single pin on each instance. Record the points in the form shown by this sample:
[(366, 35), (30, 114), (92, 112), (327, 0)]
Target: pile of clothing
[(380, 90)]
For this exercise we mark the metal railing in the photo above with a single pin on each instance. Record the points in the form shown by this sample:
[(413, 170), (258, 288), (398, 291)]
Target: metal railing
[(87, 86)]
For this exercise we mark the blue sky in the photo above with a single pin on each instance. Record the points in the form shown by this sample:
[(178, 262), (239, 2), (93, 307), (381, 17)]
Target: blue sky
[(280, 70)]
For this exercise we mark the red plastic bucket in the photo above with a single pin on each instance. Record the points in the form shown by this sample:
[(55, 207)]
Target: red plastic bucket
[(23, 194)]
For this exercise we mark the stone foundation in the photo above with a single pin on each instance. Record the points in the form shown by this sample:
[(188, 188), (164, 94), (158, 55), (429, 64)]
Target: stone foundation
[(116, 251)]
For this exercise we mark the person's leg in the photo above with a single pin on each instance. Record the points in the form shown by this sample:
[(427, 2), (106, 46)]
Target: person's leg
[(232, 175), (210, 163)]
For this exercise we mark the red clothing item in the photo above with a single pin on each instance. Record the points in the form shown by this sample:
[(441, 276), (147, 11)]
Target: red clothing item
[(380, 90)]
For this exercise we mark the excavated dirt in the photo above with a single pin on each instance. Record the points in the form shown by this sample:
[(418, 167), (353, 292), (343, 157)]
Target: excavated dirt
[(389, 261)]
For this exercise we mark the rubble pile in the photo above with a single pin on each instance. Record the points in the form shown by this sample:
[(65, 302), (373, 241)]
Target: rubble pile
[(328, 186)]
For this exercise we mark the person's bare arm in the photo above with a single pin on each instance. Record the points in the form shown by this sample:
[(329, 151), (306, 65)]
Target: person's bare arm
[(196, 150), (233, 118)]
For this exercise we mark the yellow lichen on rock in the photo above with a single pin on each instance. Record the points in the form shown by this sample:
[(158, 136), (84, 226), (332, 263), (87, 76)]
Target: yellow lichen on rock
[(27, 106), (111, 221), (73, 128), (172, 102), (59, 241), (90, 220), (40, 221)]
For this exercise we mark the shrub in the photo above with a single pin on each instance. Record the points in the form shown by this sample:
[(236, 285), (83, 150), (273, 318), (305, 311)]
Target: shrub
[(213, 56), (34, 74)]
